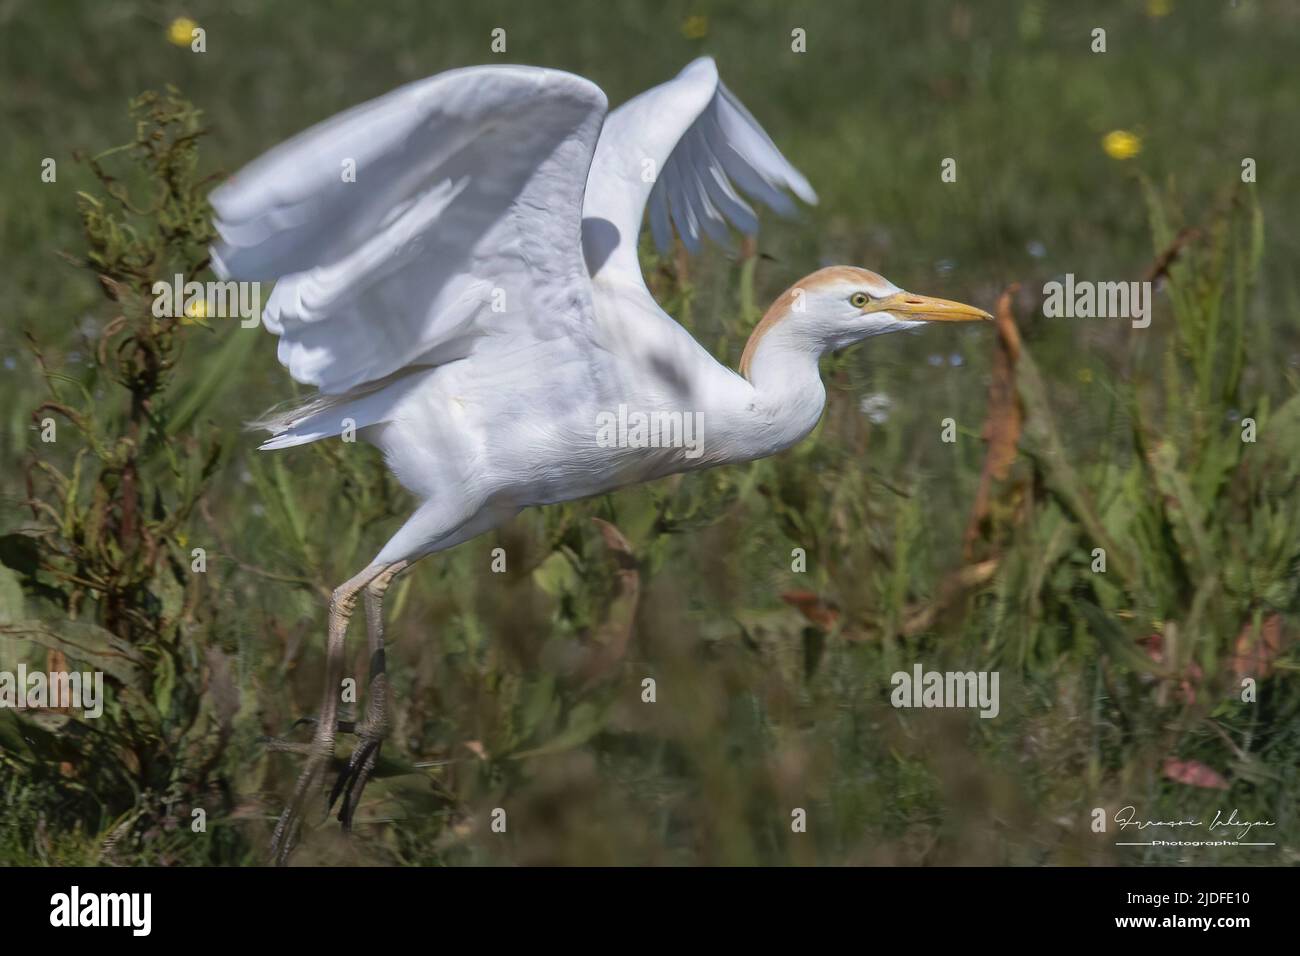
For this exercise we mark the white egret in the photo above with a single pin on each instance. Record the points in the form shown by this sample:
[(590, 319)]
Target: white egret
[(457, 274)]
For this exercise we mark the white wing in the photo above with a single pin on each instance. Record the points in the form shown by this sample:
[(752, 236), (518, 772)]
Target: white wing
[(690, 149), (462, 224)]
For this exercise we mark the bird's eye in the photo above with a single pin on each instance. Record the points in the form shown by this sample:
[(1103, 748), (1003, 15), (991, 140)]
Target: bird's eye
[(859, 299)]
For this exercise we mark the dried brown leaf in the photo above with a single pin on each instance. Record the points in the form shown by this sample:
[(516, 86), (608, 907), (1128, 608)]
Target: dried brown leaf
[(1003, 422), (1254, 655)]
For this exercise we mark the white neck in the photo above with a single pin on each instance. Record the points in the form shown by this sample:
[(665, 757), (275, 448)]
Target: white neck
[(788, 394), (776, 401)]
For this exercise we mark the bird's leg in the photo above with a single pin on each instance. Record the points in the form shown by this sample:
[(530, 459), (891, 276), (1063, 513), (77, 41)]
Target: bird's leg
[(374, 729), (321, 749)]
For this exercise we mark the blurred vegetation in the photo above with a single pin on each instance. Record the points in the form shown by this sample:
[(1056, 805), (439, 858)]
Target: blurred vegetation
[(524, 690)]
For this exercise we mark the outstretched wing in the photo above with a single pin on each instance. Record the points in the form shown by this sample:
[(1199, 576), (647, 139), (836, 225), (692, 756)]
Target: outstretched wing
[(689, 152), (412, 229)]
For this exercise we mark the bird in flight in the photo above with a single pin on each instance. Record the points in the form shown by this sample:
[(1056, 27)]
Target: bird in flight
[(456, 273)]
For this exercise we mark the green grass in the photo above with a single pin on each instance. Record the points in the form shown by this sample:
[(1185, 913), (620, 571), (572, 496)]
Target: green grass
[(1131, 438)]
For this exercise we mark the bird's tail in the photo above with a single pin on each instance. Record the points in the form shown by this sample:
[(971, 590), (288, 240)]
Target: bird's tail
[(303, 420), (298, 421)]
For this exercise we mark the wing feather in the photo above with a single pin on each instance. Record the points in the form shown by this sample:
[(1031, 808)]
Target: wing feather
[(684, 153), (461, 225)]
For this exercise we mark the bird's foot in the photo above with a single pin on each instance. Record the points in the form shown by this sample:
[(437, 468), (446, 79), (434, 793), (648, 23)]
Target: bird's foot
[(354, 776), (319, 753)]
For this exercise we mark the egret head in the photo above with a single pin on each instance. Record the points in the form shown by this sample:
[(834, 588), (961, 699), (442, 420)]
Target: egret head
[(840, 305)]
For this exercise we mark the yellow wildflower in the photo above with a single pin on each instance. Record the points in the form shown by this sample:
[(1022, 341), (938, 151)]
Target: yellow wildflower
[(1121, 144), (181, 31)]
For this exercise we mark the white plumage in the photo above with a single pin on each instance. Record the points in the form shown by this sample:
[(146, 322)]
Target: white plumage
[(471, 301)]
